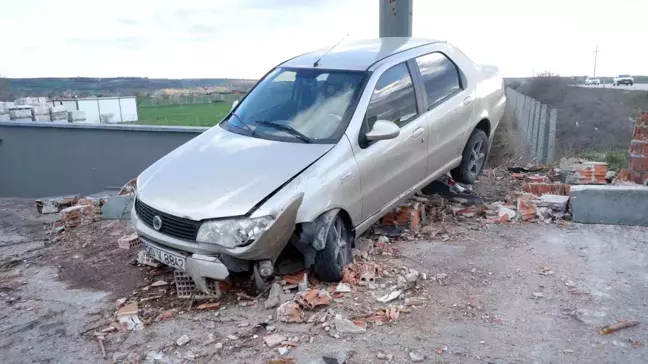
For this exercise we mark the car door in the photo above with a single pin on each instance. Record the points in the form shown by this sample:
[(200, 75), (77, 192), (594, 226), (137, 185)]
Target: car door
[(449, 109), (388, 168)]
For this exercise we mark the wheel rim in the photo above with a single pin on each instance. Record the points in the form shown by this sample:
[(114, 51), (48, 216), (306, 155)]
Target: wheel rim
[(477, 158), (340, 239)]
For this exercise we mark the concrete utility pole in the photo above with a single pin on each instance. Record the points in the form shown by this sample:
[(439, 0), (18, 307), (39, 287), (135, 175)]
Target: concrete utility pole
[(395, 18), (596, 51)]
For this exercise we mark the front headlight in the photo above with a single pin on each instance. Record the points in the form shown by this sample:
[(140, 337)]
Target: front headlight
[(232, 233)]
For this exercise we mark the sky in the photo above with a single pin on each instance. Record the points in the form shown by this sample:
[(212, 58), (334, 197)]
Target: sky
[(245, 38)]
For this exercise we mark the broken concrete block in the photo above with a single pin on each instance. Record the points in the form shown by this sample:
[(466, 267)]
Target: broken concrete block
[(72, 216), (610, 204), (52, 205), (273, 340), (182, 340), (144, 259), (345, 326), (129, 242), (557, 203), (273, 297)]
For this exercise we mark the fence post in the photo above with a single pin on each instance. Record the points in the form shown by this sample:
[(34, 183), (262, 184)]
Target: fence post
[(521, 116), (523, 113), (530, 132), (542, 134), (534, 133), (552, 136)]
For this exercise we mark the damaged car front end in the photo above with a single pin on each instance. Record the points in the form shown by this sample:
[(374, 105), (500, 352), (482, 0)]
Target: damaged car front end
[(235, 244)]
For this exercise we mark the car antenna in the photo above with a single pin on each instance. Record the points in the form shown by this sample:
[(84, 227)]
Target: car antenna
[(316, 63)]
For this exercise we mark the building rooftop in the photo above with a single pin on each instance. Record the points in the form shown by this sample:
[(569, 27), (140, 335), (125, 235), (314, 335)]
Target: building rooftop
[(357, 55)]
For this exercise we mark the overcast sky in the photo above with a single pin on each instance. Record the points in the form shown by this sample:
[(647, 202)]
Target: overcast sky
[(244, 38)]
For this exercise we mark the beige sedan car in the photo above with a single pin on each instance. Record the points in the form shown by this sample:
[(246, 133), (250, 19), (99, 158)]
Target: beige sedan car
[(323, 146)]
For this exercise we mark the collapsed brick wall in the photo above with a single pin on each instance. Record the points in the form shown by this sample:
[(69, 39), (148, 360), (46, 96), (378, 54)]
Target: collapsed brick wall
[(638, 165)]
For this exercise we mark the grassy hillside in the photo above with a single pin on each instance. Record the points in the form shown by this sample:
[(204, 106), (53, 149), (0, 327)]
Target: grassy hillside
[(589, 119)]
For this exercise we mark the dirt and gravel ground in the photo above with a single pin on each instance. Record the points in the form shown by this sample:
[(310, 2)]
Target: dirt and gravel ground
[(515, 293)]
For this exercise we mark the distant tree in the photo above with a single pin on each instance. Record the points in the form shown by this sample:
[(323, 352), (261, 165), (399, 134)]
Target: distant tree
[(5, 94)]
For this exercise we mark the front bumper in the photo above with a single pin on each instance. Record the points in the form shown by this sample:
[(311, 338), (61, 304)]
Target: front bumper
[(202, 258)]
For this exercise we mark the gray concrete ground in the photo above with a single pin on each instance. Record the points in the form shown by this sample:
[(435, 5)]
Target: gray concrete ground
[(519, 293)]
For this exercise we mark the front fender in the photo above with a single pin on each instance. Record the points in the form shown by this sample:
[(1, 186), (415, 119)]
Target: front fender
[(274, 239)]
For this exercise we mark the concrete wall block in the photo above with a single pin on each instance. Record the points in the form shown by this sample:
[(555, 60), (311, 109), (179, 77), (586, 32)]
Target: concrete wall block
[(612, 205), (80, 158)]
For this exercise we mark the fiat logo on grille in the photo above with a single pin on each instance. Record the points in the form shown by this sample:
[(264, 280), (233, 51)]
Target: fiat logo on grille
[(157, 222)]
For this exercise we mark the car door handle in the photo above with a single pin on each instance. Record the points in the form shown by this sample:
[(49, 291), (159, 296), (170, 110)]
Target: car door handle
[(418, 132), (467, 101), (346, 177)]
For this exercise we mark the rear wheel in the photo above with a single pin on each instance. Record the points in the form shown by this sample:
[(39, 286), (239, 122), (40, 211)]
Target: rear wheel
[(330, 261), (473, 158)]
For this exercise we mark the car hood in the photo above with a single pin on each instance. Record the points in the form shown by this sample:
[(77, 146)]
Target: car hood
[(221, 174)]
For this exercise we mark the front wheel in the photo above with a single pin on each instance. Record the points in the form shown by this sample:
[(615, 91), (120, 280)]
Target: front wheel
[(473, 158), (330, 261)]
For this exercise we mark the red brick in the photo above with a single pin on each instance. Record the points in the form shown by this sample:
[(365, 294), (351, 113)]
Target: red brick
[(640, 133), (526, 209), (411, 216), (638, 177), (591, 172), (639, 147), (642, 119), (639, 163), (540, 189)]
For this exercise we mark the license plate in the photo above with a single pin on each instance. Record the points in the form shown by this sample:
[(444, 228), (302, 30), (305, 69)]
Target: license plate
[(170, 259)]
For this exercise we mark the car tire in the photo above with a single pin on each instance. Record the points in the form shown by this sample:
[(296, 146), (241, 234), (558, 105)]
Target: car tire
[(330, 261), (473, 158)]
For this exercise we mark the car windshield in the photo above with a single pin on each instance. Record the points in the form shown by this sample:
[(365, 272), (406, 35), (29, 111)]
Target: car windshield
[(298, 105), (624, 76)]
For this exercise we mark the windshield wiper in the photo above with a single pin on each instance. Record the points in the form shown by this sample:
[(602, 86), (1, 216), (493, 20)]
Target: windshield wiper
[(288, 129), (246, 125)]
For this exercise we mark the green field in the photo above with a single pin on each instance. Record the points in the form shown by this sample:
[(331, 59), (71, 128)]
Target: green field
[(184, 115)]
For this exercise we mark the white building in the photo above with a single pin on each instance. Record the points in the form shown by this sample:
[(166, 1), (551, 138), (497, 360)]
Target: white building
[(103, 109)]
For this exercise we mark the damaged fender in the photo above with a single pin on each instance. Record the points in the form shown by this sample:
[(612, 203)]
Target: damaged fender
[(272, 242), (313, 236)]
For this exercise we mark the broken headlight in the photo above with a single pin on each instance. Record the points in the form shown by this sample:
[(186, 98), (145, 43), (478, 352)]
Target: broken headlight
[(232, 233)]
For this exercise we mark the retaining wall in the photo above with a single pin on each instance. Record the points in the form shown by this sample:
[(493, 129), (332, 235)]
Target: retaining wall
[(47, 159)]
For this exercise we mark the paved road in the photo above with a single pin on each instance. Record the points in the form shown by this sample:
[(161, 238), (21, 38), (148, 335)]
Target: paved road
[(635, 87)]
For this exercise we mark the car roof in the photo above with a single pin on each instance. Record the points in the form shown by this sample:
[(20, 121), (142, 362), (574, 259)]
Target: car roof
[(357, 55)]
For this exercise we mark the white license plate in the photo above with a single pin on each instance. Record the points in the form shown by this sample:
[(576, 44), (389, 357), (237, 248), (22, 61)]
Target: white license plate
[(170, 259)]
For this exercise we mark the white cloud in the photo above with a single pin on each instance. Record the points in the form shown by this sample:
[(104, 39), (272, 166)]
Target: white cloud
[(244, 38)]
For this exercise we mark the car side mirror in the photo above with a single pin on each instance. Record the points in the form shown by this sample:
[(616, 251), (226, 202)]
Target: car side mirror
[(382, 130), (234, 104)]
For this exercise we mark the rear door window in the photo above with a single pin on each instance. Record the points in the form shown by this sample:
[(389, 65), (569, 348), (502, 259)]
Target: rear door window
[(440, 77)]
